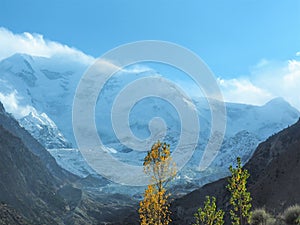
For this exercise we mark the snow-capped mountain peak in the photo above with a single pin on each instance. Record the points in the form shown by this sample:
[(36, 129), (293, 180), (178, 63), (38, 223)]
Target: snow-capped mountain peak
[(44, 130), (47, 86)]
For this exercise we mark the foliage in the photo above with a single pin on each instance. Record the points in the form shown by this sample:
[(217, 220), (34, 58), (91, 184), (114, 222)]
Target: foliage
[(261, 217), (291, 215), (240, 197), (209, 215), (154, 208)]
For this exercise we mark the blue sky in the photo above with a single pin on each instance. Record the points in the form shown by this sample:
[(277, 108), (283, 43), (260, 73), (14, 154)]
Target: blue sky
[(230, 36), (242, 41)]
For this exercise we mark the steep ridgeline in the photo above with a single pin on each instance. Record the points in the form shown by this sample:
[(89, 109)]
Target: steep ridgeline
[(30, 179), (11, 125), (29, 194), (44, 130), (275, 170), (26, 184), (274, 182)]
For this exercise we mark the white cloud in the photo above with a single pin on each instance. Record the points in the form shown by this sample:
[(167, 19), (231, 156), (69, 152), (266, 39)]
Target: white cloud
[(36, 45), (137, 68), (11, 104), (243, 91), (267, 80)]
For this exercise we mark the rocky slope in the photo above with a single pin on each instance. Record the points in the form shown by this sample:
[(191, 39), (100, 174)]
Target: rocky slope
[(35, 190), (26, 184), (10, 216), (8, 122), (274, 182)]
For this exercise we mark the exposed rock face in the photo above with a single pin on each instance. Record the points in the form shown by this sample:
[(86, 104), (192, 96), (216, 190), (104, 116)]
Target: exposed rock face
[(275, 169), (35, 190), (11, 125), (25, 183), (10, 216)]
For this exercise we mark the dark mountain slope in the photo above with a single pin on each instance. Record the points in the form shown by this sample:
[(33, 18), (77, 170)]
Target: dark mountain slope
[(10, 216), (274, 182), (25, 184), (11, 125), (31, 182), (275, 171), (35, 190)]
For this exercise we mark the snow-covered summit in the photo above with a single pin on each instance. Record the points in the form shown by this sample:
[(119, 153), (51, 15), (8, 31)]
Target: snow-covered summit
[(45, 87), (46, 84)]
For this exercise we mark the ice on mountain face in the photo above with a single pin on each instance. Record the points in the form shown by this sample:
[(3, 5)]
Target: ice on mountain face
[(72, 160), (43, 129), (263, 121), (240, 145), (48, 85)]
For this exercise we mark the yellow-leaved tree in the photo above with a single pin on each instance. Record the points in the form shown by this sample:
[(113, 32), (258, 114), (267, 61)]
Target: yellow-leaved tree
[(154, 208), (240, 197)]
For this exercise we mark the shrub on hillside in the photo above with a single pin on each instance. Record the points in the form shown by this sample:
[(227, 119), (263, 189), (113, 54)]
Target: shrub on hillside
[(261, 217), (291, 215)]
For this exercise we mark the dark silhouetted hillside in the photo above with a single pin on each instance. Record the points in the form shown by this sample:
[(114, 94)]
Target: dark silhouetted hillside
[(30, 179), (26, 184), (11, 125)]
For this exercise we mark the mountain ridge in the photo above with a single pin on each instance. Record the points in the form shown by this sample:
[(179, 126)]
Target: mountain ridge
[(35, 190), (11, 125)]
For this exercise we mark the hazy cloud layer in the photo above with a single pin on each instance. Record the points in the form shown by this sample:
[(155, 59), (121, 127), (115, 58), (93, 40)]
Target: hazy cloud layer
[(36, 45)]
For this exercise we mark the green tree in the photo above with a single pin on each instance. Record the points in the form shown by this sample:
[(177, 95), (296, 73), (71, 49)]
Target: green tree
[(240, 197), (154, 208), (209, 215)]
